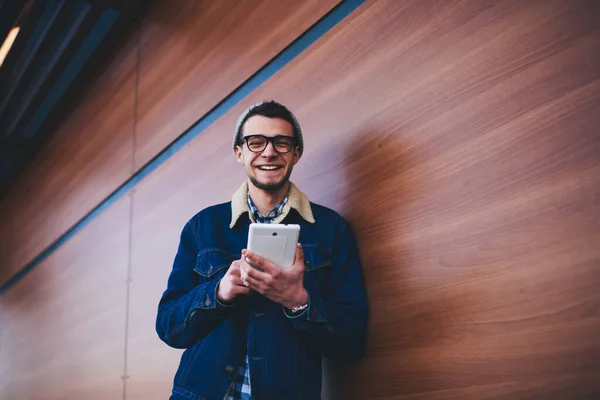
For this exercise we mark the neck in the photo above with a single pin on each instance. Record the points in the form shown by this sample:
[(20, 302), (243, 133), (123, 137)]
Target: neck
[(266, 200)]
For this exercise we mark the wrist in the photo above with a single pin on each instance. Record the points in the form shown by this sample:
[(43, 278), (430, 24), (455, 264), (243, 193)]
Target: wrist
[(298, 301), (220, 297)]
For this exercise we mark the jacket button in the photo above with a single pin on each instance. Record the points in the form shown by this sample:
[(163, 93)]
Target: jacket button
[(229, 368), (207, 302)]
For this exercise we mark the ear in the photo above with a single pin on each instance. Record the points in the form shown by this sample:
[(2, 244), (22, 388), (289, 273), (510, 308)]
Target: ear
[(239, 154), (296, 155)]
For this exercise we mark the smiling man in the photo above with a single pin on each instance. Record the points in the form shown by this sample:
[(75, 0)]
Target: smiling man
[(261, 333)]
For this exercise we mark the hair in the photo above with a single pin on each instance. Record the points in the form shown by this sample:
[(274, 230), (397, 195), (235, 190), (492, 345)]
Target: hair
[(269, 109)]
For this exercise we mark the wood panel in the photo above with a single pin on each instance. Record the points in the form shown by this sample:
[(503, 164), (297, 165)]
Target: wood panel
[(194, 53), (90, 156), (461, 140), (63, 326)]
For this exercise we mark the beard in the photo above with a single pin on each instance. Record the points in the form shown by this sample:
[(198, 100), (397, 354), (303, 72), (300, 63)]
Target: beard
[(271, 187)]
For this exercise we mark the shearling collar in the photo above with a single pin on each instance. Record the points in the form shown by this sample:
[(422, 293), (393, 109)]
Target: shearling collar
[(297, 201)]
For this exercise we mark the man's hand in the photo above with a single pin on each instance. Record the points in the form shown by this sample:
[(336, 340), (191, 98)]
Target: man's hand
[(282, 285), (231, 284)]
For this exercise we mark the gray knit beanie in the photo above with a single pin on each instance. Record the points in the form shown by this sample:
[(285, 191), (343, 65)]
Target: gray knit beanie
[(270, 109)]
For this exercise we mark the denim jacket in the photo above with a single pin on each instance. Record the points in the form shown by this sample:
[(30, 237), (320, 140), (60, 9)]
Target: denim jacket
[(284, 351)]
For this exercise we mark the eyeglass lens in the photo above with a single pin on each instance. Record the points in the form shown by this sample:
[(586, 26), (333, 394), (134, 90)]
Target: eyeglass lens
[(257, 143)]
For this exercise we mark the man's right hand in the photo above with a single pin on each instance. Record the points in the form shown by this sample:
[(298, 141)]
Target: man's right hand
[(231, 284)]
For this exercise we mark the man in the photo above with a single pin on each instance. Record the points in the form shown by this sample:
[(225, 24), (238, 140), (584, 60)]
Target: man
[(251, 328)]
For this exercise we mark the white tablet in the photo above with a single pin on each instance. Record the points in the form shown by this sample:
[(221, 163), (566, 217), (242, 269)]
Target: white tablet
[(274, 242)]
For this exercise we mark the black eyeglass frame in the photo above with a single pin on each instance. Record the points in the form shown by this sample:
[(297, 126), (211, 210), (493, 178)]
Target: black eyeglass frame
[(270, 139)]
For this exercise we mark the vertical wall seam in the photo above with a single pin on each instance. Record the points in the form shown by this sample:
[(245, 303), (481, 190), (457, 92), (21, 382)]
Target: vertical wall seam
[(125, 376)]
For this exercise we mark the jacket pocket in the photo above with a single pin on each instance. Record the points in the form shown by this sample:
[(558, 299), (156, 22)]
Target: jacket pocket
[(315, 257), (212, 263), (317, 264)]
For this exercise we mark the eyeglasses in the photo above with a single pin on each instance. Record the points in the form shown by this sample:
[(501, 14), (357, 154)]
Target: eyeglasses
[(258, 143)]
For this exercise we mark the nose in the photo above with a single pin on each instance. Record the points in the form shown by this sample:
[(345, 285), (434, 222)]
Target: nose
[(269, 151)]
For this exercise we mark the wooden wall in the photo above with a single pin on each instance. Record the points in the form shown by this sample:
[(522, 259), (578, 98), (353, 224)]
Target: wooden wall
[(461, 139)]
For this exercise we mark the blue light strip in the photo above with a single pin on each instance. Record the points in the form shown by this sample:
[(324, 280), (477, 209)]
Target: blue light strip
[(320, 28)]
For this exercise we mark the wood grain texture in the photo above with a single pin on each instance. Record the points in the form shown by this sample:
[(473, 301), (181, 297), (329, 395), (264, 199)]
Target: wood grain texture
[(461, 140), (63, 326), (194, 53), (89, 157), (464, 150)]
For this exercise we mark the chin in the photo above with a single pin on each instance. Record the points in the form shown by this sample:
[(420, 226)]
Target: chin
[(268, 186)]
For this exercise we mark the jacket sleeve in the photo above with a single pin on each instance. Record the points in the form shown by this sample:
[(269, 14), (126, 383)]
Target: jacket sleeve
[(188, 309), (335, 321)]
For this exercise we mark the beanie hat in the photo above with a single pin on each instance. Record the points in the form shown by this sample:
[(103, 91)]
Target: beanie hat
[(291, 118)]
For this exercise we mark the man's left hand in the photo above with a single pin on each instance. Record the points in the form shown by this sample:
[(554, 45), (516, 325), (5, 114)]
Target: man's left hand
[(282, 285)]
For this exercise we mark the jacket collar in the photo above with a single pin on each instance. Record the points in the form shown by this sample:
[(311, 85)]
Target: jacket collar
[(297, 200)]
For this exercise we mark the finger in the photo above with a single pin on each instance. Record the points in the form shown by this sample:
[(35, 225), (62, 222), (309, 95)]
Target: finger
[(255, 284), (263, 264), (243, 276), (238, 281), (234, 271), (248, 261), (234, 268), (250, 271), (241, 290), (299, 255)]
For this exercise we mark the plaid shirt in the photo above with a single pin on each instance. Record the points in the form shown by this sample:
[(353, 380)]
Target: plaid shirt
[(274, 213), (240, 387)]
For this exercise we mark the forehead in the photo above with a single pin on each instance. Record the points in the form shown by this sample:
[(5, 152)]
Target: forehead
[(259, 124)]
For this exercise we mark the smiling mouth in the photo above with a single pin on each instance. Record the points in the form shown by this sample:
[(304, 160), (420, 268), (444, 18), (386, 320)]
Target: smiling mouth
[(269, 167)]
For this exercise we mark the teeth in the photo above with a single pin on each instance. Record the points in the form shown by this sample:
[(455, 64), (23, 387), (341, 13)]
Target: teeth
[(268, 167)]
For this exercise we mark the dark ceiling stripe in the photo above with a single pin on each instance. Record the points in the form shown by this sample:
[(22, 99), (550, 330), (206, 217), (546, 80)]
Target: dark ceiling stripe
[(40, 31), (49, 62), (99, 31), (258, 78)]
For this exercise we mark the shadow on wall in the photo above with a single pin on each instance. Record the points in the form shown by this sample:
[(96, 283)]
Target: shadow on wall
[(381, 194)]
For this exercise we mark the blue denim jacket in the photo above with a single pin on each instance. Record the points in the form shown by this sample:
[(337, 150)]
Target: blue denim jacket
[(284, 351)]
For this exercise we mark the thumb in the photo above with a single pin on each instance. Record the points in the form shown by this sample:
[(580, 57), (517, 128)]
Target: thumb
[(299, 254)]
